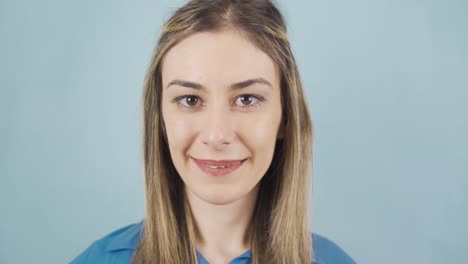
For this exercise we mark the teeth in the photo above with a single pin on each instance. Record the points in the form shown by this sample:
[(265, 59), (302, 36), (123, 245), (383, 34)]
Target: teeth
[(217, 167)]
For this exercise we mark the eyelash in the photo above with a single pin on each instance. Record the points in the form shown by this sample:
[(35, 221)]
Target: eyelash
[(260, 99)]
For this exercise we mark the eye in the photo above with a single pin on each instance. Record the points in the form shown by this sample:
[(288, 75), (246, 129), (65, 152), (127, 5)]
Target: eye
[(247, 101), (192, 102), (188, 101)]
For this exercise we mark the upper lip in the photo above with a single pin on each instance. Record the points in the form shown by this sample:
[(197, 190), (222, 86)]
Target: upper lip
[(217, 162)]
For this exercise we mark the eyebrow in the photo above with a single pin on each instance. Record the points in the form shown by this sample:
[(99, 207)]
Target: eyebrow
[(234, 86)]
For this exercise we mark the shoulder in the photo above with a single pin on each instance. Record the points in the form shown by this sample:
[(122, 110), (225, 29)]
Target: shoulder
[(326, 251), (116, 247)]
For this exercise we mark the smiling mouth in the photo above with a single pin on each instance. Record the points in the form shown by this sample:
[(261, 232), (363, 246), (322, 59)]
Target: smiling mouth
[(218, 167)]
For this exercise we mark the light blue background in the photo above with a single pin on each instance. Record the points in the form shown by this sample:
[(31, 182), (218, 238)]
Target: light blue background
[(387, 83)]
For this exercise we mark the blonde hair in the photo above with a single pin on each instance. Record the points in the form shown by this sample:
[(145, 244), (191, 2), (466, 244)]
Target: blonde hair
[(279, 229)]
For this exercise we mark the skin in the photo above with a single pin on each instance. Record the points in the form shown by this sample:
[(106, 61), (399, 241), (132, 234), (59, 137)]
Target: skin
[(219, 123)]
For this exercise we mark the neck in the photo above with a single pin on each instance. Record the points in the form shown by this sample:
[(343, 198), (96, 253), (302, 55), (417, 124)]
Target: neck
[(223, 228)]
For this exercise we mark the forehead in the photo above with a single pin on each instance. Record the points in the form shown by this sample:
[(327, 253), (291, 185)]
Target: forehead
[(217, 58)]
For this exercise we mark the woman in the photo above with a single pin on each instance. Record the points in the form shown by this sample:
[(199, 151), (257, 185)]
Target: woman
[(227, 146)]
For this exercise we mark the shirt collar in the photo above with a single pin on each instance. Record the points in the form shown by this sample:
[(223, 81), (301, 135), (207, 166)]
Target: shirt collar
[(130, 238)]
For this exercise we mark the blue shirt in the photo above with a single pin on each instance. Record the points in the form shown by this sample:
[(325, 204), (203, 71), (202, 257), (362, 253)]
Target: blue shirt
[(118, 247)]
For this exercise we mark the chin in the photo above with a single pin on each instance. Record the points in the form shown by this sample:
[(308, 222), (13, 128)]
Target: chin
[(220, 201), (218, 196)]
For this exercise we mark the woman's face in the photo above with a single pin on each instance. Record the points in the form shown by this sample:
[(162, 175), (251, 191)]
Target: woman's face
[(220, 101)]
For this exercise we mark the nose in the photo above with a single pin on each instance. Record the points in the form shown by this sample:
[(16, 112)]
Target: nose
[(217, 128)]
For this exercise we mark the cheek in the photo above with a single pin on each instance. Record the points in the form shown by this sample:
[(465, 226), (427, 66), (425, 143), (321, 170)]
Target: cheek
[(180, 130), (262, 129), (260, 135)]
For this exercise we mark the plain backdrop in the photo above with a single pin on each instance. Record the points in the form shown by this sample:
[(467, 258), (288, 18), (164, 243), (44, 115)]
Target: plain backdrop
[(387, 84)]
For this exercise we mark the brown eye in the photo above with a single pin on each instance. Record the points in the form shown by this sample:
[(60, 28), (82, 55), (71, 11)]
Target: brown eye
[(187, 101), (247, 102), (191, 100), (245, 99)]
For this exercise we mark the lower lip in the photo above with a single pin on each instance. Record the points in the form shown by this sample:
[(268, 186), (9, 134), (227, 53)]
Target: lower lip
[(219, 172)]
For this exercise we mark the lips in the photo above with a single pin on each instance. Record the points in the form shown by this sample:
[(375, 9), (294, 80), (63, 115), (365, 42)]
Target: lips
[(218, 167)]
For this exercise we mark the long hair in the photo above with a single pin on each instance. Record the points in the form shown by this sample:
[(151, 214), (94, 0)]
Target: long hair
[(280, 228)]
